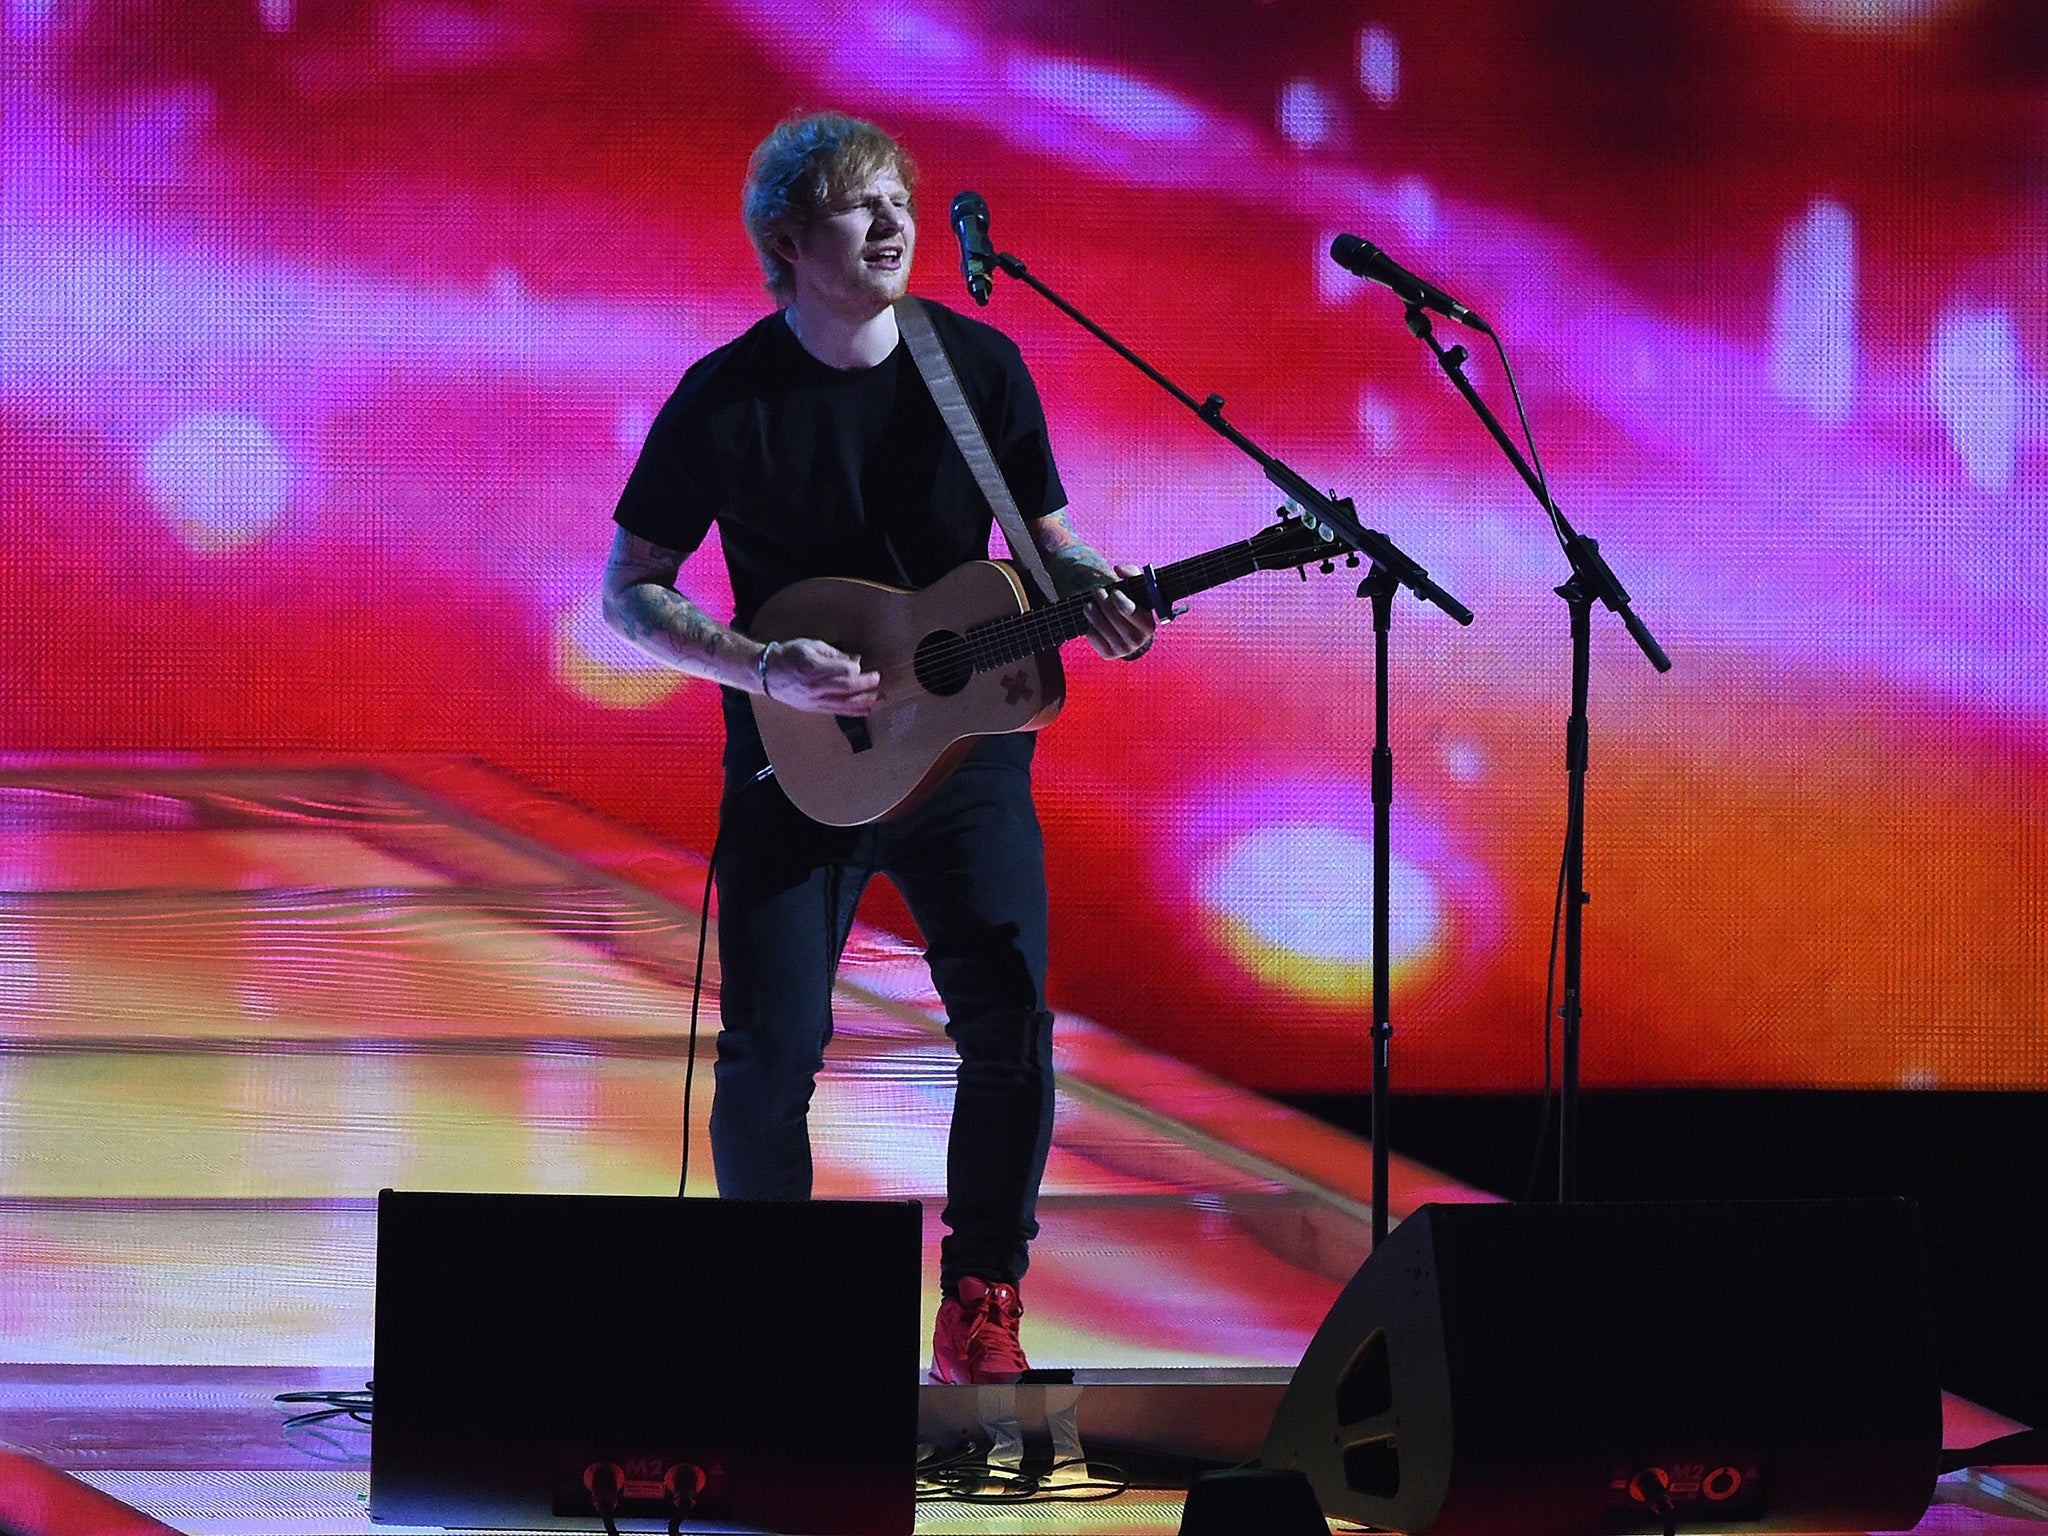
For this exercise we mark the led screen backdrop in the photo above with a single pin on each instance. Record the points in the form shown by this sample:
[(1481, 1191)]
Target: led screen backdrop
[(328, 333)]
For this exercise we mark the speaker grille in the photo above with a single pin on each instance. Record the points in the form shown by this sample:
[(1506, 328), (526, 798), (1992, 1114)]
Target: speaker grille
[(1373, 1468), (1365, 1387)]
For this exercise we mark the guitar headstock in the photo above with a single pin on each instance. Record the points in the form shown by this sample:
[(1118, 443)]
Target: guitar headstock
[(1290, 543)]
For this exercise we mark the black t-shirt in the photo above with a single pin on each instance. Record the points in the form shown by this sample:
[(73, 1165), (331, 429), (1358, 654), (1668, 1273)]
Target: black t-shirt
[(811, 470)]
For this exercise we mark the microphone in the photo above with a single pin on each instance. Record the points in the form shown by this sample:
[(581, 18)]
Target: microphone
[(977, 256), (1375, 265)]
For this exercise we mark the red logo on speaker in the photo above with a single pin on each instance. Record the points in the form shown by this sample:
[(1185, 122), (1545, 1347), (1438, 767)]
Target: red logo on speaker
[(1721, 1483)]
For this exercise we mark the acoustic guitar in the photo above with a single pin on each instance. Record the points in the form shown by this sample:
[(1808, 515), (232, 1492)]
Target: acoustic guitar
[(964, 658)]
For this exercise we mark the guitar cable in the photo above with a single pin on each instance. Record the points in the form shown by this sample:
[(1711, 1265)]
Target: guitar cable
[(1549, 1050), (696, 1000), (697, 982)]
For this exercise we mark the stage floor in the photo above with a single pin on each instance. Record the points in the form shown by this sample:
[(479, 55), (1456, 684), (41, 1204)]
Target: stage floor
[(237, 999)]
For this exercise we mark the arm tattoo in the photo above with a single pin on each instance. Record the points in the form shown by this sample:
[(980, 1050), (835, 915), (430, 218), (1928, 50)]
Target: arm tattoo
[(643, 606), (1075, 566), (666, 624), (1054, 533)]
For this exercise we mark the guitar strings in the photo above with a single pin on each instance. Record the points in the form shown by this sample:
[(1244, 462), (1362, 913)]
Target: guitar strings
[(989, 644)]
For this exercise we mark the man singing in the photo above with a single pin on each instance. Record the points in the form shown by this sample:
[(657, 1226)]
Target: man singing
[(814, 445)]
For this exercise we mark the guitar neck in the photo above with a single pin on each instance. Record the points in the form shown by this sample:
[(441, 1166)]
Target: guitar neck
[(999, 642)]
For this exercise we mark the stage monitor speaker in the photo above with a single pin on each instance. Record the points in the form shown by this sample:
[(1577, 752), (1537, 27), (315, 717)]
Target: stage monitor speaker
[(1554, 1369), (1251, 1501), (544, 1360)]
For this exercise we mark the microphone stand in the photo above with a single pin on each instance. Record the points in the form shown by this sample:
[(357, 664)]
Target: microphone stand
[(1592, 580), (1391, 570)]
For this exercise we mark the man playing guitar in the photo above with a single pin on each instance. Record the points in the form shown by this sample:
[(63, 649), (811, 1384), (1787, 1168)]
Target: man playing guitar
[(813, 444)]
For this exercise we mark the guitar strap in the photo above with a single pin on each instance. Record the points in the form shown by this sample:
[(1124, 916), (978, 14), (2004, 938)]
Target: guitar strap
[(929, 353)]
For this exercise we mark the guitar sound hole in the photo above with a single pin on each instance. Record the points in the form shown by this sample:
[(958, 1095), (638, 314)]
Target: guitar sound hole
[(943, 666)]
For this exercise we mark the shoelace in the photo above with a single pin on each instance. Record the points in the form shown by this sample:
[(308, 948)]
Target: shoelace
[(996, 1315)]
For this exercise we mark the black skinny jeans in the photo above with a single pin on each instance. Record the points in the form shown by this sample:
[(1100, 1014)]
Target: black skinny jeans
[(970, 863)]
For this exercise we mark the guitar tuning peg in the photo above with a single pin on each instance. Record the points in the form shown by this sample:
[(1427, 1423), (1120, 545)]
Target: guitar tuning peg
[(1329, 566), (1352, 559), (1301, 571)]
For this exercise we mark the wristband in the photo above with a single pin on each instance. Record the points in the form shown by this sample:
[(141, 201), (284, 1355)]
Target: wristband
[(762, 668)]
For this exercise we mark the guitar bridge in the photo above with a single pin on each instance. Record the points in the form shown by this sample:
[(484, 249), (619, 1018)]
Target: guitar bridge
[(855, 728)]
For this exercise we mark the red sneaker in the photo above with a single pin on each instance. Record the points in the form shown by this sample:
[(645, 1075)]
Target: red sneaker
[(975, 1342)]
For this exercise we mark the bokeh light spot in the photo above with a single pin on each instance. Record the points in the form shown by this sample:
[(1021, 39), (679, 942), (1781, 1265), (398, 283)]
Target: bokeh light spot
[(1306, 116), (1415, 210), (1813, 312), (1379, 66), (594, 663), (1974, 373), (221, 478), (1379, 426), (1293, 904), (1465, 762)]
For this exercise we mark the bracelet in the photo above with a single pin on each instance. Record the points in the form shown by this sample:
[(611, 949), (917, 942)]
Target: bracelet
[(762, 668)]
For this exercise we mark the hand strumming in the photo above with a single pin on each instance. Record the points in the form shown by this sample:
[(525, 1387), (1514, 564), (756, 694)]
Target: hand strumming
[(812, 675)]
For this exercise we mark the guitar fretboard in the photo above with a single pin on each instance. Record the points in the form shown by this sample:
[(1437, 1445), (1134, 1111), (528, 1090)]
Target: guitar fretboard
[(998, 642)]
